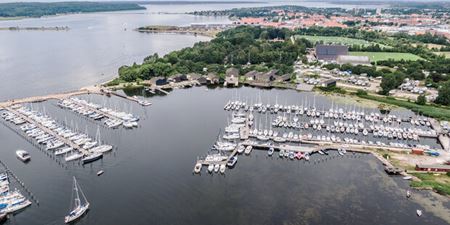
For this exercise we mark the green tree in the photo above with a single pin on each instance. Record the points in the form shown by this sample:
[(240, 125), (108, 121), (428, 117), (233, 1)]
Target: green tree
[(444, 94), (391, 81), (421, 100)]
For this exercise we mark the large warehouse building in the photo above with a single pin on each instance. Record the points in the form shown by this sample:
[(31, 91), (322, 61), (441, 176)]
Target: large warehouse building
[(330, 52)]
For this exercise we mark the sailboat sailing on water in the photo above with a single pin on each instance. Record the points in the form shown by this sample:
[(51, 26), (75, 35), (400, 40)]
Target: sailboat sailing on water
[(79, 206)]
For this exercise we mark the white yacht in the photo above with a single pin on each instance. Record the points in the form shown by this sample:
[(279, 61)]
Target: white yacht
[(79, 208)]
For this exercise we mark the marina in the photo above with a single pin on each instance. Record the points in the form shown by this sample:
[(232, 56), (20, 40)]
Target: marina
[(12, 201), (297, 131), (321, 158), (144, 150), (55, 137)]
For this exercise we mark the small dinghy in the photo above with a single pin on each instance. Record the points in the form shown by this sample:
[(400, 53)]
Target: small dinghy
[(100, 172), (407, 178), (419, 212)]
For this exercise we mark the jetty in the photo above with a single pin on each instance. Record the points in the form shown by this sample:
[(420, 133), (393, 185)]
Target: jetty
[(48, 131)]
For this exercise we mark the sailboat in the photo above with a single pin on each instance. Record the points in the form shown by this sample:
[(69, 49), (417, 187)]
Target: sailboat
[(79, 208)]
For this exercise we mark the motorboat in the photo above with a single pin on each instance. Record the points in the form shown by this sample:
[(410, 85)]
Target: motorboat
[(270, 152), (281, 153), (197, 168), (79, 207), (232, 161), (3, 176), (248, 149), (210, 168), (23, 155), (222, 168), (216, 168), (241, 149)]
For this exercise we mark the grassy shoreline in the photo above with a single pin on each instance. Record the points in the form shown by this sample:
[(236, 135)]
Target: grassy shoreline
[(433, 111)]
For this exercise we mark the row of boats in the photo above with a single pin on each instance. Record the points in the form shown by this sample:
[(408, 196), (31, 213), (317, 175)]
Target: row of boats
[(59, 139), (240, 120), (331, 113), (97, 112), (10, 201), (348, 127)]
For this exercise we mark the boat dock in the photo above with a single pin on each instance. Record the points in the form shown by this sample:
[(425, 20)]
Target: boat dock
[(48, 131), (21, 184), (105, 114)]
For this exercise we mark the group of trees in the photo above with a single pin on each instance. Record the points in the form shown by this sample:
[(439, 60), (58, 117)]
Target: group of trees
[(237, 47), (38, 9)]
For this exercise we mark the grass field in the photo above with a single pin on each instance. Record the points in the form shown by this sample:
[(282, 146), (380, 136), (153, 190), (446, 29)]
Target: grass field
[(440, 184), (379, 56), (437, 112), (447, 54), (337, 40)]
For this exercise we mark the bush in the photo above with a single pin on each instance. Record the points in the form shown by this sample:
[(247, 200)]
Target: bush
[(421, 100), (361, 92)]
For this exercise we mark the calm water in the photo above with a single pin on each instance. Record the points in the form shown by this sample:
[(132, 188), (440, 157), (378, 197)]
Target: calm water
[(97, 44), (148, 178)]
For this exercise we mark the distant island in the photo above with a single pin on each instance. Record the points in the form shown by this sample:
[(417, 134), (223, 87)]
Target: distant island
[(38, 9)]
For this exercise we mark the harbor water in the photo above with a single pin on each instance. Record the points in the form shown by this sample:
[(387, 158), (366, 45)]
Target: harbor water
[(148, 176)]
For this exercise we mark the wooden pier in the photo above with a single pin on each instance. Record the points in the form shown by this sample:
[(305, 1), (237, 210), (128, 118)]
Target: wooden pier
[(105, 114), (49, 131)]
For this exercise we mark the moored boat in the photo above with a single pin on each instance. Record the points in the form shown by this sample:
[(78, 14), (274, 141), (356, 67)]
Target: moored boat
[(197, 168), (92, 157), (23, 155), (232, 161)]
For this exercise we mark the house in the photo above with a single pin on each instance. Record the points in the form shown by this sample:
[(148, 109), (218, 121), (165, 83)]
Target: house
[(212, 78), (158, 81), (194, 76), (203, 80), (433, 168), (232, 72), (252, 75), (179, 78), (330, 52), (231, 80), (267, 77)]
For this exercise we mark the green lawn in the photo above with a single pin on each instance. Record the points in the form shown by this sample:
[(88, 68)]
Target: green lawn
[(337, 40), (440, 183), (379, 56), (438, 112)]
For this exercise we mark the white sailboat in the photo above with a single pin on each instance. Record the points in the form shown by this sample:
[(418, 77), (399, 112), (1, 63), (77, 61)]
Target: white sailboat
[(79, 208)]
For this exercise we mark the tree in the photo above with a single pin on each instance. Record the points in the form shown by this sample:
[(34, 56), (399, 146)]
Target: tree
[(421, 100), (444, 94), (391, 81)]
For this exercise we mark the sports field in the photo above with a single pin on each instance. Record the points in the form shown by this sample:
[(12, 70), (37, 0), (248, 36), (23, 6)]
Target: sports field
[(379, 56), (337, 40)]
